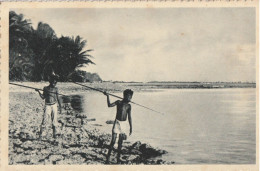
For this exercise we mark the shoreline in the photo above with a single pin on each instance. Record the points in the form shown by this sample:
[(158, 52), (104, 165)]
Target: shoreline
[(138, 87), (78, 141)]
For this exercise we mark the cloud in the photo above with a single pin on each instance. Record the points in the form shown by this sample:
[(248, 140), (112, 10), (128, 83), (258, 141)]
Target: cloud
[(172, 44)]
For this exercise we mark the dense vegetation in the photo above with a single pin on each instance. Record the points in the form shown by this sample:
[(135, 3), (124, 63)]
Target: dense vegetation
[(35, 53)]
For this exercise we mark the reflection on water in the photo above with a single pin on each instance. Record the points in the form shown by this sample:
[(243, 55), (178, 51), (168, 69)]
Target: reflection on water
[(76, 102), (199, 126)]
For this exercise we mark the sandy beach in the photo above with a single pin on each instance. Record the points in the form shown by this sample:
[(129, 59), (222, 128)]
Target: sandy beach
[(78, 141)]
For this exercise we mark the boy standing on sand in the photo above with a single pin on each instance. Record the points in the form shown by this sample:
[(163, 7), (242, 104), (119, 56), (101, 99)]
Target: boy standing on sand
[(120, 124), (50, 95)]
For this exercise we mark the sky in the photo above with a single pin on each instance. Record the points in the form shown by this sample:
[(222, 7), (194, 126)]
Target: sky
[(166, 44)]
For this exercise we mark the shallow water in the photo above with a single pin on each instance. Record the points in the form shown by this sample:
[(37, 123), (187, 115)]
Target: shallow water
[(199, 126)]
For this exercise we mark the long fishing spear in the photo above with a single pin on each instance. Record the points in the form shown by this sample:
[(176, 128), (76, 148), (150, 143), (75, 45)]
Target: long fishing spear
[(117, 97), (34, 88)]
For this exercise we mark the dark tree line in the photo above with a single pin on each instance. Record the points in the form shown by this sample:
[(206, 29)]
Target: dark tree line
[(35, 53)]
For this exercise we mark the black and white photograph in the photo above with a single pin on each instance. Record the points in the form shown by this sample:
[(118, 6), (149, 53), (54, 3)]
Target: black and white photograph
[(133, 86)]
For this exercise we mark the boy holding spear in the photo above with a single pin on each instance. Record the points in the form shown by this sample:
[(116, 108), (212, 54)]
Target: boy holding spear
[(120, 124), (50, 95)]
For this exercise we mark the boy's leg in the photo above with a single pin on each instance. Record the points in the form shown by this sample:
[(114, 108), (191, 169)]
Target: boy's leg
[(44, 120), (54, 114), (54, 132), (120, 142), (114, 135), (41, 128)]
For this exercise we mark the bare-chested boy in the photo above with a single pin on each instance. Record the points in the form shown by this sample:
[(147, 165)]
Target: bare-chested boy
[(50, 95), (120, 124)]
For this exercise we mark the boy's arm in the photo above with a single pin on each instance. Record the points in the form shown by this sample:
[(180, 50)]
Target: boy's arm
[(108, 101), (130, 119), (57, 92), (41, 95)]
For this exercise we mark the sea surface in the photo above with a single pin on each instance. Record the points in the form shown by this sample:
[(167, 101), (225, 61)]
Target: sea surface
[(199, 126)]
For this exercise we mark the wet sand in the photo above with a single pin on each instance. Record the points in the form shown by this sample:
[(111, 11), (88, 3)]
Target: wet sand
[(78, 141)]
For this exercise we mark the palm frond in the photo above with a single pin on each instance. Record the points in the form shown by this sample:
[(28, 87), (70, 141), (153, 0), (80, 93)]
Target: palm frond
[(87, 56), (86, 61), (84, 52), (77, 40)]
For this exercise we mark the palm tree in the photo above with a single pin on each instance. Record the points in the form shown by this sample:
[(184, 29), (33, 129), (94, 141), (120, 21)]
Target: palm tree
[(18, 29), (20, 56), (35, 53), (71, 55), (41, 41)]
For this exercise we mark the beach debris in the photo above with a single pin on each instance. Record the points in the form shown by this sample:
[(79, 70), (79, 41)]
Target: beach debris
[(97, 125), (146, 150), (110, 122), (93, 119)]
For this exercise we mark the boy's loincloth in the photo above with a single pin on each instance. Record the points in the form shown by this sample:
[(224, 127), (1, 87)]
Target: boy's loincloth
[(120, 127)]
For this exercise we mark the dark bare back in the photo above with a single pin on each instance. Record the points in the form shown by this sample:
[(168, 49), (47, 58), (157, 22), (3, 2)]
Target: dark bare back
[(123, 109)]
